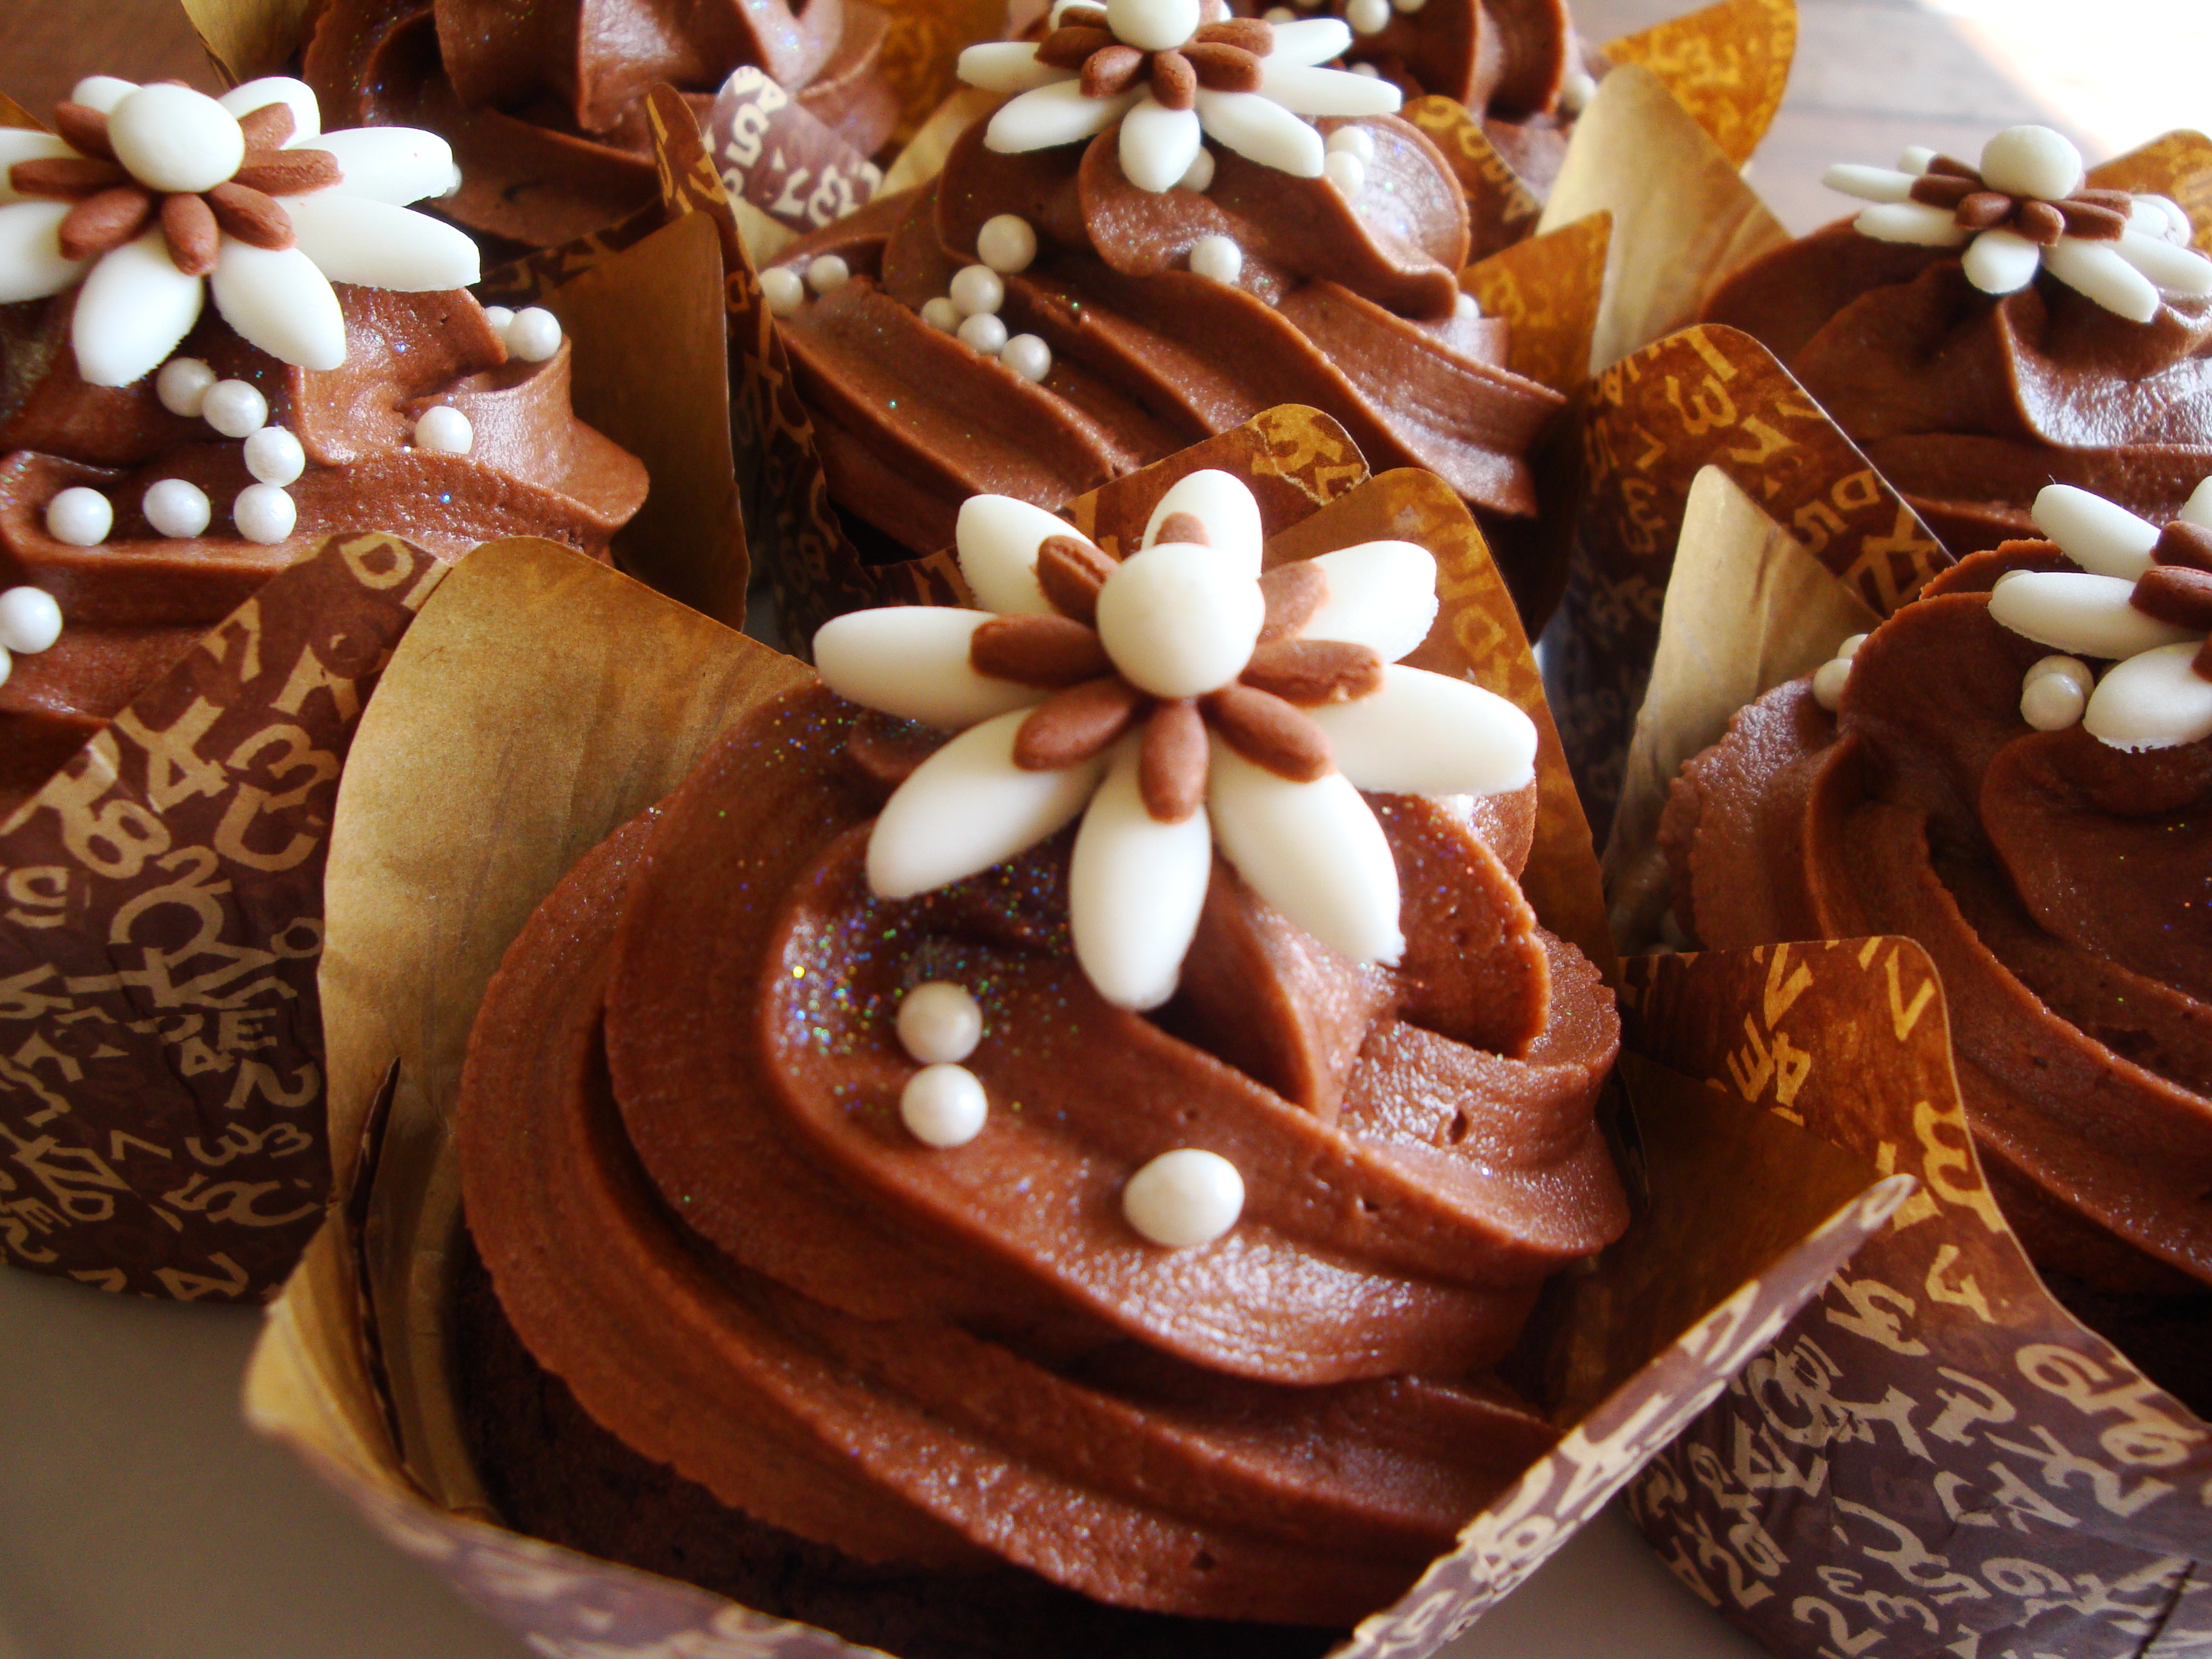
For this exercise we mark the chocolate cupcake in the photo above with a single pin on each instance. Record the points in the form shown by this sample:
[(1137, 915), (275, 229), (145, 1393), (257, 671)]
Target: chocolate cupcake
[(912, 1210), (544, 104), (1986, 328), (2016, 770)]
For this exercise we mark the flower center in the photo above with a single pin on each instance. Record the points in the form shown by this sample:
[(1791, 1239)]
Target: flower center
[(1101, 47)]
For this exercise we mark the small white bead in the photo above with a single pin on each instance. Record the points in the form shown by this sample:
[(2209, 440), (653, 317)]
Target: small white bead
[(169, 137), (1828, 682), (234, 407), (1006, 243), (499, 317), (784, 289), (1346, 171), (977, 290), (181, 384), (1466, 306), (1577, 88), (1409, 7), (1279, 14), (445, 429), (7, 667), (2032, 161), (2052, 702), (534, 335), (1849, 647), (1184, 1197), (80, 517), (984, 333), (2072, 667), (177, 507), (828, 271), (264, 513), (1367, 69), (1028, 355), (1218, 258), (30, 620), (1354, 141), (943, 1106), (1200, 173), (273, 455), (939, 1022), (942, 315), (1367, 16)]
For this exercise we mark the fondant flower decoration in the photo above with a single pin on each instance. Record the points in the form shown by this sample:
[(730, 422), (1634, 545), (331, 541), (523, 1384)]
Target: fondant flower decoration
[(2141, 598), (1171, 71), (2024, 209), (151, 195), (1178, 700)]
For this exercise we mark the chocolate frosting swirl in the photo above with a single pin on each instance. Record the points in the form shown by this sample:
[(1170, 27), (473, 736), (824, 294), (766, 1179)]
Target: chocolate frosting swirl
[(135, 604), (2062, 887), (684, 1166), (1969, 403)]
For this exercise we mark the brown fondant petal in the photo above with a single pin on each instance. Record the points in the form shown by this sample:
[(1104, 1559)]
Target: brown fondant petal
[(2200, 664), (188, 229), (2091, 222), (1984, 209), (1252, 35), (2175, 593), (1224, 67), (2041, 223), (288, 172), (1066, 48), (1038, 651), (1085, 17), (1269, 733), (1310, 672), (251, 216), (2184, 543), (1111, 70), (1942, 191), (83, 129), (2120, 201), (1071, 571), (1949, 167), (268, 127), (1070, 727), (1171, 764), (1294, 593), (103, 221), (72, 177), (1182, 527), (1175, 80)]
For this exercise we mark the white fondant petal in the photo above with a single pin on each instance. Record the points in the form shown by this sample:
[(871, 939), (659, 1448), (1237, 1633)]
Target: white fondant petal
[(1307, 91), (1007, 66), (1220, 502), (1911, 221), (397, 165), (2096, 269), (1312, 850), (102, 92), (1157, 144), (2198, 510), (307, 115), (1381, 594), (279, 301), (2002, 261), (911, 660), (1259, 130), (23, 144), (2102, 537), (1134, 889), (1870, 184), (2154, 700), (1052, 115), (31, 262), (968, 807), (2083, 615), (1309, 40), (2175, 270), (134, 307), (373, 244), (1427, 734), (996, 541)]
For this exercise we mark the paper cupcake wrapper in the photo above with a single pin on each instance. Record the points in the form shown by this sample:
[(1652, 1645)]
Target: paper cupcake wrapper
[(1934, 1457), (541, 701)]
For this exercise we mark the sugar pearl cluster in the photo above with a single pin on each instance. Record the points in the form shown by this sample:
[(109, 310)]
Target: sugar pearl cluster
[(1829, 679), (1349, 152), (1364, 17), (30, 622), (532, 334)]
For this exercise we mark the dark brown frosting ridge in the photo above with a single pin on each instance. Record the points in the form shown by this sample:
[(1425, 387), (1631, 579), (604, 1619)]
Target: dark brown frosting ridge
[(684, 1166)]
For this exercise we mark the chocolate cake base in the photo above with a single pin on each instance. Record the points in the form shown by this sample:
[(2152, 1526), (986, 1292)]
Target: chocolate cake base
[(554, 1472)]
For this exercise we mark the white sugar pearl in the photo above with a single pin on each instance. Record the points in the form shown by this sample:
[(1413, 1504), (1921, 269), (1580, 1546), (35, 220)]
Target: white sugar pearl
[(939, 1022), (1466, 306), (1153, 25), (942, 315), (976, 289), (1179, 621), (273, 456), (1828, 682), (784, 289), (445, 429), (1346, 171), (1577, 88), (264, 513), (1367, 16), (1028, 355), (2053, 701), (7, 667), (499, 317), (1849, 647), (30, 621), (943, 1106), (1279, 14), (1200, 174), (234, 407), (827, 272), (2072, 667), (534, 335), (1006, 243), (1354, 141), (1409, 7), (1218, 258), (181, 384), (1184, 1197), (1367, 69), (171, 139), (177, 507), (80, 517), (983, 333), (2032, 161)]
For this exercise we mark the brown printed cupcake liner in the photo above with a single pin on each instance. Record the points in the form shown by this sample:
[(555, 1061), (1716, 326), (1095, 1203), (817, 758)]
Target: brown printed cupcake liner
[(540, 702), (1933, 1456)]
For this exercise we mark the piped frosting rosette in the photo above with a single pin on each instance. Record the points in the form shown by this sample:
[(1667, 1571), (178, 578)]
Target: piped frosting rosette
[(1002, 1266)]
